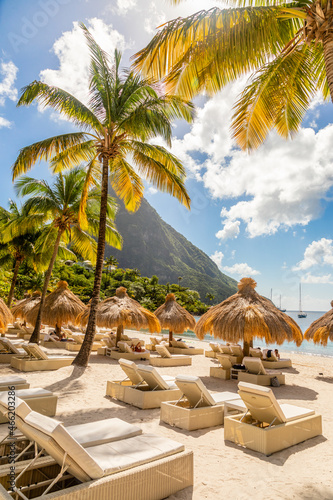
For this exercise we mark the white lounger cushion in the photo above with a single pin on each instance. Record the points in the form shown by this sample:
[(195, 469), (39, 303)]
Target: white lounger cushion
[(224, 361), (36, 352), (254, 365), (215, 347), (131, 370), (11, 380), (21, 407), (34, 392), (179, 343), (263, 406), (103, 431), (154, 380), (197, 394), (163, 351), (121, 455)]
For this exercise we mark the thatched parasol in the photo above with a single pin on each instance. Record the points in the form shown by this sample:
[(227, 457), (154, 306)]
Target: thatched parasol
[(247, 315), (121, 311), (61, 307), (5, 316), (321, 329), (174, 317), (21, 309)]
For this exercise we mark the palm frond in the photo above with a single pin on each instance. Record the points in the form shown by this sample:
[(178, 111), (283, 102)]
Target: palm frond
[(61, 101), (72, 157), (126, 183), (45, 150)]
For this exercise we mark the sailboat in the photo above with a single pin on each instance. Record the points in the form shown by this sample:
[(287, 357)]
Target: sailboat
[(301, 314), (280, 309)]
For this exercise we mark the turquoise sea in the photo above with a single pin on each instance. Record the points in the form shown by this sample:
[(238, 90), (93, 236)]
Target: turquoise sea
[(305, 348)]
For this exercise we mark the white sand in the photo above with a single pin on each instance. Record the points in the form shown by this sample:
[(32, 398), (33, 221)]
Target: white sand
[(304, 471)]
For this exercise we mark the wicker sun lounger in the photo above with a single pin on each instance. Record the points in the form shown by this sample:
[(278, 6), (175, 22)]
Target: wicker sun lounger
[(267, 426), (167, 359), (256, 373), (36, 359)]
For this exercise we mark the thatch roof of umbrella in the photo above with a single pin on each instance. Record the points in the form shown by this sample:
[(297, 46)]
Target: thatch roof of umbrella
[(61, 307), (121, 311), (5, 316), (247, 315), (21, 309), (173, 316), (321, 329)]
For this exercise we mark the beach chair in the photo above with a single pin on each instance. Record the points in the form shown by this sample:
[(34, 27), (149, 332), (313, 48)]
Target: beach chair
[(37, 360), (178, 347), (256, 373), (196, 408), (256, 353), (51, 342), (38, 399), (8, 349), (126, 352), (167, 359), (267, 426), (275, 363), (214, 349), (236, 354), (143, 387), (222, 371), (12, 382), (143, 466), (78, 341)]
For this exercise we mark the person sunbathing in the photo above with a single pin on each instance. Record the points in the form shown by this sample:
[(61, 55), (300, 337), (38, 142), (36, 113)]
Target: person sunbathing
[(138, 347)]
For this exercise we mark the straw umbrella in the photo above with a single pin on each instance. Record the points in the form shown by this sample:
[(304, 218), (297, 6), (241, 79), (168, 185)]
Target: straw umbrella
[(121, 311), (247, 315), (174, 317), (21, 308), (321, 329), (5, 316), (61, 307)]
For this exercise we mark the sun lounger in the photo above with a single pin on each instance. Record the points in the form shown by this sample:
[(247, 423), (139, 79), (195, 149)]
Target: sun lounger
[(143, 467), (275, 363), (144, 387), (268, 426), (14, 382), (256, 353), (8, 349), (126, 352), (180, 347), (167, 359), (36, 359), (78, 341), (236, 354), (256, 373), (214, 349), (38, 399), (222, 371), (51, 342), (197, 408)]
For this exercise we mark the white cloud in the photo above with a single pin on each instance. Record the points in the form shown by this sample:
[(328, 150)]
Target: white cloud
[(123, 6), (310, 278), (275, 188), (5, 123), (230, 230), (8, 72), (152, 190), (240, 270), (318, 253), (217, 258), (73, 54)]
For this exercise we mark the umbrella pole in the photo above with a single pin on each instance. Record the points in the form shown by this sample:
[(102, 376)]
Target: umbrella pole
[(170, 338), (246, 348), (58, 331), (120, 330)]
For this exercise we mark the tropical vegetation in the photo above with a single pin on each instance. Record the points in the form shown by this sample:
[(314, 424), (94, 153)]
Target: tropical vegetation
[(123, 115), (287, 47)]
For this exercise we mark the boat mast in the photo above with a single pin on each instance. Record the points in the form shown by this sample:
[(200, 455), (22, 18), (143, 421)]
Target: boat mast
[(300, 298)]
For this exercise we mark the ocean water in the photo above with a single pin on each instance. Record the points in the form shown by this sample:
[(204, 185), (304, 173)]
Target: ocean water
[(307, 347)]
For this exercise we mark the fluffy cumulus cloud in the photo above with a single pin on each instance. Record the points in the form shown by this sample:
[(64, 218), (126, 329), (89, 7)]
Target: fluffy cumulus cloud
[(73, 54), (279, 186), (123, 6), (8, 72), (4, 123), (318, 253), (238, 270)]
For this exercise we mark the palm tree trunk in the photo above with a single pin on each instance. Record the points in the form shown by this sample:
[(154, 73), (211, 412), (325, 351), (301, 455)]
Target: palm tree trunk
[(120, 331), (82, 357), (35, 334), (328, 58), (13, 283)]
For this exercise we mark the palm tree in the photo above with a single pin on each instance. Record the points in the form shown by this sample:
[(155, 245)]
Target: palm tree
[(288, 46), (123, 114), (16, 249), (60, 205)]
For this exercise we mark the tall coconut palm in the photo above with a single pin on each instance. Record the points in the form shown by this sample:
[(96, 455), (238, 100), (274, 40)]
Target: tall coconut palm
[(16, 249), (116, 127), (288, 46), (60, 205)]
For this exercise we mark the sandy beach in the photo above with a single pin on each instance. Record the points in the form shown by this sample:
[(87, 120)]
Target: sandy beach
[(221, 470)]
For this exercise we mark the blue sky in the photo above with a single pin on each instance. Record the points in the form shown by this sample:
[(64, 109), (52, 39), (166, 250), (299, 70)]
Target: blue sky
[(267, 215)]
